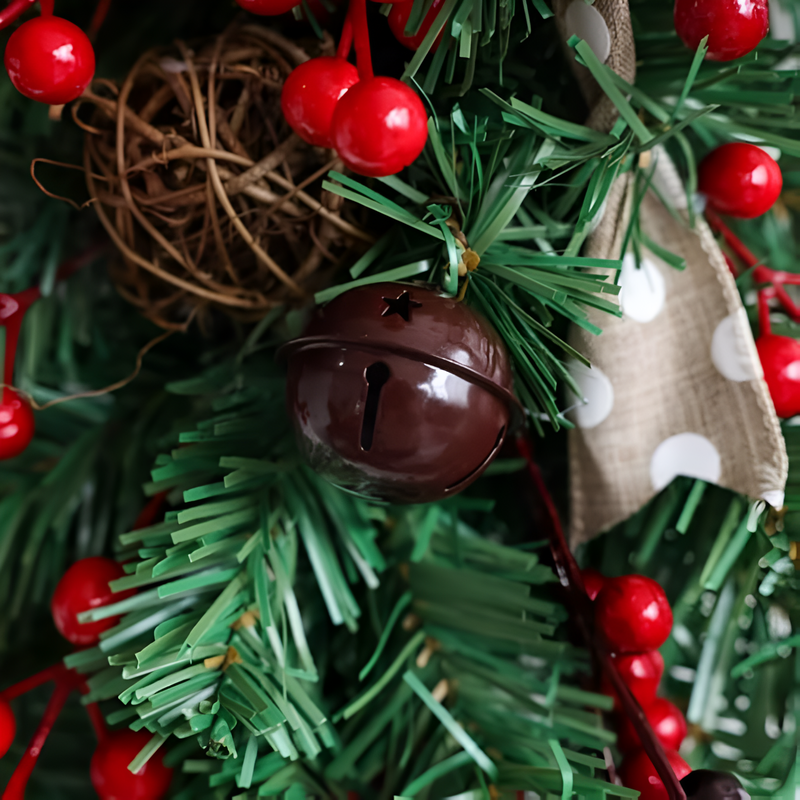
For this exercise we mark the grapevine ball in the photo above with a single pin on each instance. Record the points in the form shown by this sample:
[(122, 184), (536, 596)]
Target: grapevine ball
[(16, 424), (740, 179), (50, 60), (632, 614), (111, 778), (379, 127), (399, 393), (733, 28), (82, 587), (780, 358)]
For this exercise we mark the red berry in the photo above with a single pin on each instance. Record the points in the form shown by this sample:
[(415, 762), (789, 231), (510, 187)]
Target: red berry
[(16, 424), (84, 586), (268, 8), (379, 127), (780, 358), (641, 672), (740, 179), (311, 93), (632, 614), (666, 720), (8, 726), (733, 27), (398, 18), (50, 60), (593, 581), (637, 772), (111, 778)]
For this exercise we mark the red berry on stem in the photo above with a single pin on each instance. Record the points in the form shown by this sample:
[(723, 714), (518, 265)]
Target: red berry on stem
[(740, 179), (310, 95), (734, 28), (641, 672), (50, 60), (637, 772), (666, 720), (593, 581), (379, 127), (84, 586), (398, 18), (111, 778), (632, 614), (780, 358), (268, 8), (16, 424), (8, 726)]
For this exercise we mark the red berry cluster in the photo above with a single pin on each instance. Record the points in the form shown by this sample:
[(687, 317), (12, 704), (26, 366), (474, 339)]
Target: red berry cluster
[(743, 181), (377, 125), (733, 28), (47, 58), (632, 619), (85, 585)]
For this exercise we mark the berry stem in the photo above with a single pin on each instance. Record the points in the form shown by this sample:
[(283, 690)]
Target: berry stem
[(346, 39), (13, 11), (764, 325), (46, 7), (148, 514), (358, 15), (54, 673), (570, 577), (98, 18), (15, 790)]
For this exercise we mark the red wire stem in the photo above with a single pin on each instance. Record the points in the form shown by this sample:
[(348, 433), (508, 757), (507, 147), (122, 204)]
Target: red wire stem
[(13, 11), (357, 13), (98, 18), (570, 577), (54, 673), (15, 790), (346, 39)]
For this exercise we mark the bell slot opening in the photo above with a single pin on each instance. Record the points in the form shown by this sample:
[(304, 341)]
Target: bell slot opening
[(495, 447), (376, 376)]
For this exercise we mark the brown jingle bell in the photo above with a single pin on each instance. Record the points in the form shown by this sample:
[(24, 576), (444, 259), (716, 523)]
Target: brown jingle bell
[(399, 393)]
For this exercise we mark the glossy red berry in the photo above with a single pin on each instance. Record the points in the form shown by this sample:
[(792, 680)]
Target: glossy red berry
[(780, 358), (666, 720), (310, 95), (734, 28), (379, 127), (740, 179), (50, 60), (593, 581), (16, 424), (268, 8), (111, 778), (84, 586), (637, 772), (8, 726), (641, 672), (398, 18), (632, 614)]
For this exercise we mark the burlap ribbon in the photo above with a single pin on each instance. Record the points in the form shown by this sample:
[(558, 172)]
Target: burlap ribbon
[(675, 386)]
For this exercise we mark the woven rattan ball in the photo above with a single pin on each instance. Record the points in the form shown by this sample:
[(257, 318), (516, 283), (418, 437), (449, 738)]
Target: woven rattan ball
[(213, 204)]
